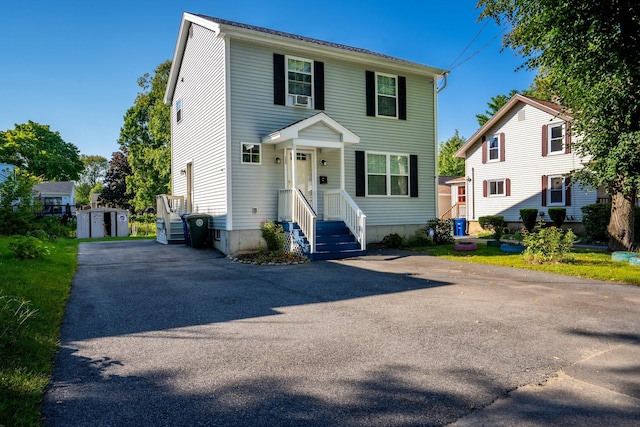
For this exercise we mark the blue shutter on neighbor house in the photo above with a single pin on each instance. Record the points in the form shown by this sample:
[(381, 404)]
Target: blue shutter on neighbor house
[(360, 174), (370, 86), (413, 175), (402, 98), (279, 82), (318, 85)]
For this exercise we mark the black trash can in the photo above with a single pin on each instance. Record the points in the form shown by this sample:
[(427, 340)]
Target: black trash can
[(460, 226), (198, 226)]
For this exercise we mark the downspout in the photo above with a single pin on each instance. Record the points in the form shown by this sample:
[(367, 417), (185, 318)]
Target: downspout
[(436, 91)]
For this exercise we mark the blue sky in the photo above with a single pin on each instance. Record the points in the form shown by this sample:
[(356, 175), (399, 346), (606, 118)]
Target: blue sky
[(74, 65)]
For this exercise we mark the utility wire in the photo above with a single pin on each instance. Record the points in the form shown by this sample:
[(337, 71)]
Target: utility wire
[(469, 45), (479, 50)]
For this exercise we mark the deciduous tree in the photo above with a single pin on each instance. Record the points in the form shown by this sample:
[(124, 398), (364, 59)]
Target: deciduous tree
[(589, 52), (114, 191), (36, 149), (145, 136), (447, 164)]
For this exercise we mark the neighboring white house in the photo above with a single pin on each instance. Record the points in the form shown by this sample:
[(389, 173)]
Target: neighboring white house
[(270, 125), (58, 197), (520, 159)]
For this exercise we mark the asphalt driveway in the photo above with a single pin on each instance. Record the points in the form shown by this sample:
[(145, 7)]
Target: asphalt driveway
[(173, 336)]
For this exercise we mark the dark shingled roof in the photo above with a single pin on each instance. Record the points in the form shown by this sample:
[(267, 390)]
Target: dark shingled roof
[(302, 38)]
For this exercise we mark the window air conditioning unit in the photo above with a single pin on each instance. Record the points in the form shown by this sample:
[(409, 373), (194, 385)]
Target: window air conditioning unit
[(301, 100)]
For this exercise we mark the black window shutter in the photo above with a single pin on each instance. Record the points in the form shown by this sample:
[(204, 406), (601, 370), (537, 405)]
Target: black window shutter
[(318, 85), (413, 175), (279, 85), (360, 174), (402, 98), (371, 93)]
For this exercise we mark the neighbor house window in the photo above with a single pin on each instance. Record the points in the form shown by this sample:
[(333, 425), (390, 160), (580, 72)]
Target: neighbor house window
[(496, 188), (251, 153), (387, 95), (493, 148), (387, 174), (556, 190), (52, 205), (179, 110), (556, 139), (299, 81)]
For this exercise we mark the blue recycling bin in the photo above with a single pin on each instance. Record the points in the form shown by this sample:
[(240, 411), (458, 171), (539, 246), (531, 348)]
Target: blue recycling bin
[(185, 229), (460, 226)]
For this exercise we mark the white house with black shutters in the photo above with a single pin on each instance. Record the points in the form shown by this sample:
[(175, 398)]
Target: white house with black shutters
[(273, 126), (521, 158)]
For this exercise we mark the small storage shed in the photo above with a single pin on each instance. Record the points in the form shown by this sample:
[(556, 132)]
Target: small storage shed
[(102, 222)]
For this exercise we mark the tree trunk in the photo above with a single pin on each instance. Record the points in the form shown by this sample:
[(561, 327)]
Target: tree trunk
[(620, 227)]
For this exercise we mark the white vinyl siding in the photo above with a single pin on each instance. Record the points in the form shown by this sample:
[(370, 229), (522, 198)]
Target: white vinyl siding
[(253, 115), (524, 165), (201, 137)]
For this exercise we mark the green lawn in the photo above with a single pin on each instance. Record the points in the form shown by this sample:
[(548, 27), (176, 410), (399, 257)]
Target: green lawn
[(587, 264), (26, 351)]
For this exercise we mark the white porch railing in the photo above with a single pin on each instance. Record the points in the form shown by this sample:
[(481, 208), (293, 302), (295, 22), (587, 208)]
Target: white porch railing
[(293, 207), (167, 205), (338, 205)]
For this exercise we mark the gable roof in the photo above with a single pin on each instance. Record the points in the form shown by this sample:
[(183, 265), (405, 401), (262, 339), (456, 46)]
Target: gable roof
[(292, 132), (55, 187), (282, 39), (554, 109)]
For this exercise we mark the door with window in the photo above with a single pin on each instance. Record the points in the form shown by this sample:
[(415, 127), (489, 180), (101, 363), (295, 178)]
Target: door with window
[(302, 168)]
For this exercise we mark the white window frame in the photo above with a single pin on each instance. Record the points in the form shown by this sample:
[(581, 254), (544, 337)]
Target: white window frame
[(290, 96), (550, 139), (491, 139), (378, 95), (495, 182), (563, 190), (250, 153), (387, 174), (179, 110)]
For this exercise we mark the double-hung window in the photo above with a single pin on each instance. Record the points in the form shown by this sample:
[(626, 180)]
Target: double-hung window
[(387, 174), (493, 149), (299, 81), (386, 95), (556, 139), (250, 153), (556, 190)]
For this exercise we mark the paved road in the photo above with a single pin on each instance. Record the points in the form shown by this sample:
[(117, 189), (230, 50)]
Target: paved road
[(173, 336)]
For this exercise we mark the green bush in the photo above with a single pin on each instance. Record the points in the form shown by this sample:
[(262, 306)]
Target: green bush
[(595, 219), (549, 245), (493, 223), (420, 238), (42, 235), (442, 230), (529, 216), (394, 240), (25, 247), (273, 235), (557, 215)]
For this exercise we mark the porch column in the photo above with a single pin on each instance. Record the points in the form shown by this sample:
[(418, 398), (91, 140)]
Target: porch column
[(342, 168)]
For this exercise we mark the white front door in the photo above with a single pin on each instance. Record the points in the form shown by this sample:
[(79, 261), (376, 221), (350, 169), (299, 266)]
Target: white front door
[(302, 168)]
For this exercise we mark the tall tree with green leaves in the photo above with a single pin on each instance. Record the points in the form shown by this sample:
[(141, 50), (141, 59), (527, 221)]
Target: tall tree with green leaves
[(36, 149), (94, 171), (589, 51), (114, 187), (448, 165), (496, 103), (146, 136)]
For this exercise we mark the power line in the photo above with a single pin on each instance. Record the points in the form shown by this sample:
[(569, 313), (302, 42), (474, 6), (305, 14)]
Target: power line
[(479, 50), (470, 43)]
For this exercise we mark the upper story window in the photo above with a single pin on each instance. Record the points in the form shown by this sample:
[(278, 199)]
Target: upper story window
[(299, 82), (250, 153), (556, 139), (387, 174), (386, 95), (493, 148), (179, 110)]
